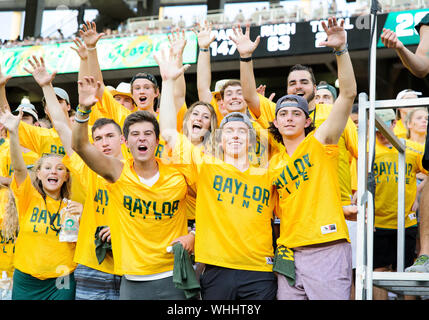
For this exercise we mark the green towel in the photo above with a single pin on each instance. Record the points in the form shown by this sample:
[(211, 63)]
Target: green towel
[(183, 273), (101, 247), (284, 263)]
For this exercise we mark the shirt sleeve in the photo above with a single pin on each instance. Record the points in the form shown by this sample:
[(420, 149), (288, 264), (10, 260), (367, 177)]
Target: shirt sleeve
[(351, 138), (108, 107), (187, 158), (23, 194), (267, 109), (30, 137)]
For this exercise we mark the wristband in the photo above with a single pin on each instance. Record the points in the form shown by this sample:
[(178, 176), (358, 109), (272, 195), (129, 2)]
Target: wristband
[(246, 59), (83, 112), (91, 49), (339, 53), (204, 49), (81, 120)]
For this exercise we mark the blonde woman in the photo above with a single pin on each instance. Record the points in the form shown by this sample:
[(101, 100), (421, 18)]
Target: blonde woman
[(43, 265), (200, 123), (416, 123)]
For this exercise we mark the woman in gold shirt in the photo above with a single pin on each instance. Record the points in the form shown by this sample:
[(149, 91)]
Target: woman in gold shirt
[(43, 265)]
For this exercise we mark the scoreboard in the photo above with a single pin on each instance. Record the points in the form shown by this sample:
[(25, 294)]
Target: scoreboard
[(289, 39)]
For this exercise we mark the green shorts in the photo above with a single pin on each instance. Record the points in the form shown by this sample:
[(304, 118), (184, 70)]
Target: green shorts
[(27, 287)]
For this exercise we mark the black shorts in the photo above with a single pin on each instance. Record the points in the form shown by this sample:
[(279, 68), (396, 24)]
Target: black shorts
[(385, 247), (219, 283)]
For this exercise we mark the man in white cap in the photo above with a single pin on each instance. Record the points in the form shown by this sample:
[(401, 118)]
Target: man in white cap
[(122, 94), (29, 114)]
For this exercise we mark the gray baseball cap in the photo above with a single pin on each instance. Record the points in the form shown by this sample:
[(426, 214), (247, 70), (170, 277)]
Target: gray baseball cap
[(236, 116), (292, 100), (60, 93)]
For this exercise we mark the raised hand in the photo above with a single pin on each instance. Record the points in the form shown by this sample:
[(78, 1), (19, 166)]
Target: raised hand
[(80, 49), (39, 72), (89, 34), (204, 35), (168, 65), (261, 91), (3, 78), (177, 41), (245, 46), (87, 89), (390, 39), (8, 120), (336, 34)]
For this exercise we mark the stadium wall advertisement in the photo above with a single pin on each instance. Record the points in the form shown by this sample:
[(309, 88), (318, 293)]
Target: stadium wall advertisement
[(282, 39), (113, 54)]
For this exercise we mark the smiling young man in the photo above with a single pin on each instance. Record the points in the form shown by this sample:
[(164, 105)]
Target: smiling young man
[(147, 202), (234, 203)]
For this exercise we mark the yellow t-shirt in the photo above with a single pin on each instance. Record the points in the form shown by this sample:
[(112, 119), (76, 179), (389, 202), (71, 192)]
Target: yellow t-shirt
[(145, 220), (348, 142), (233, 210), (400, 130), (385, 171), (38, 250), (7, 246), (95, 214), (309, 195), (43, 140)]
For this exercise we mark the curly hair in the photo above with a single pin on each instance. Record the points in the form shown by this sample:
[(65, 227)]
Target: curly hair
[(10, 223)]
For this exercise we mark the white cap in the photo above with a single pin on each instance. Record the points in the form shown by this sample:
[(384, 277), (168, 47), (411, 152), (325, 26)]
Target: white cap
[(407, 91), (123, 89), (28, 108)]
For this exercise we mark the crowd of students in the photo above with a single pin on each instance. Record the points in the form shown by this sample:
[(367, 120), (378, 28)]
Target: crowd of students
[(258, 195)]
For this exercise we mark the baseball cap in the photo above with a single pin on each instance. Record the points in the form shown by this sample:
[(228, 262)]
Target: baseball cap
[(330, 88), (407, 91), (144, 75), (386, 115), (28, 108), (60, 93), (123, 89), (292, 100), (236, 116)]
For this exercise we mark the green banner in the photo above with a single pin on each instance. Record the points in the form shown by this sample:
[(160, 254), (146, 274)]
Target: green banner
[(403, 23), (113, 54)]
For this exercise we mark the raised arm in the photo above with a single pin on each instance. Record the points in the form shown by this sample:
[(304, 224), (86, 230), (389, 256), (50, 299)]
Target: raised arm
[(245, 48), (90, 37), (204, 76), (11, 123), (109, 168), (330, 131), (3, 81), (60, 120), (170, 72), (417, 63), (82, 52), (177, 41)]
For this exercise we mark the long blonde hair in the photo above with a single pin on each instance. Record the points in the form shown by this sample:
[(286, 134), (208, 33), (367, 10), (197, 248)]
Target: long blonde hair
[(10, 223), (208, 138)]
